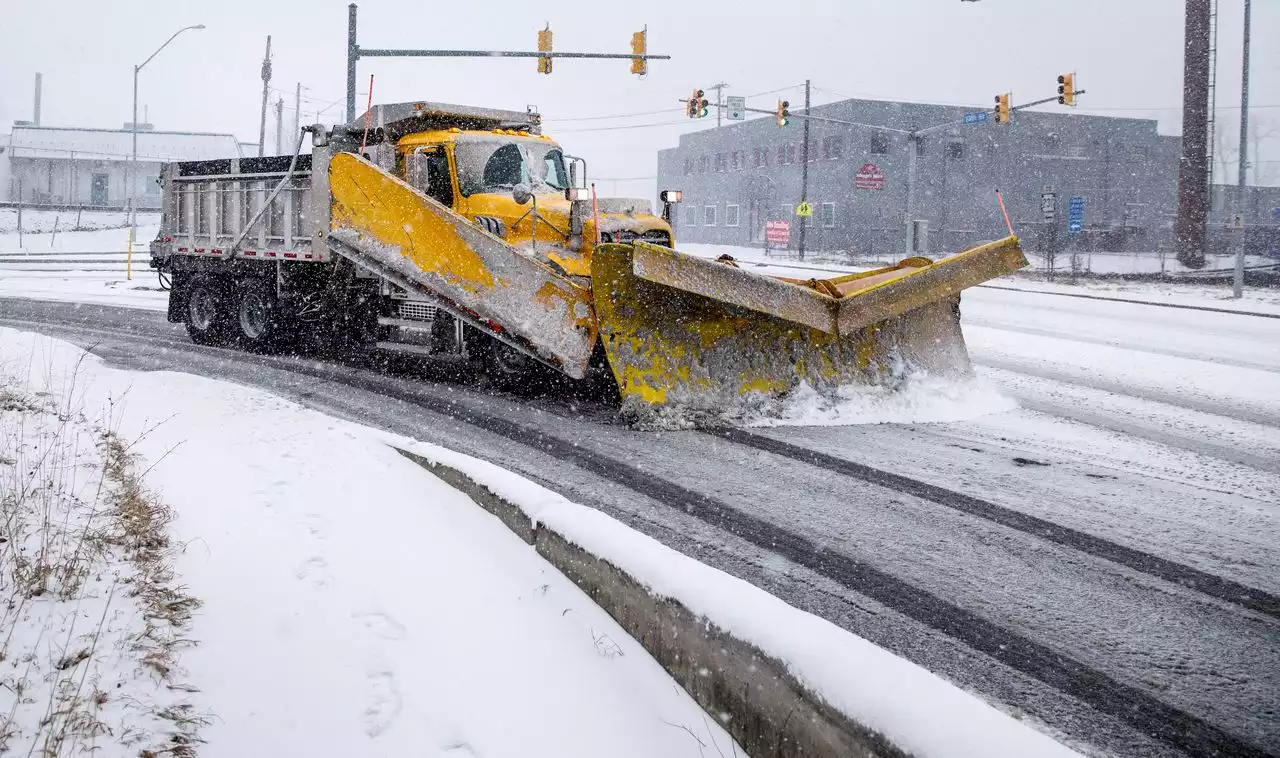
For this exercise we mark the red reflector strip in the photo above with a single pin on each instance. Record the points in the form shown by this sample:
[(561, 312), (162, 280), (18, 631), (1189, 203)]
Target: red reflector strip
[(270, 254), (216, 251), (307, 256), (199, 249), (291, 255), (250, 253), (182, 250)]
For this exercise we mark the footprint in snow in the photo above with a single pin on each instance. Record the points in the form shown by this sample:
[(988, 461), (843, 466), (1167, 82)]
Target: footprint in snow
[(315, 571), (381, 624), (384, 703)]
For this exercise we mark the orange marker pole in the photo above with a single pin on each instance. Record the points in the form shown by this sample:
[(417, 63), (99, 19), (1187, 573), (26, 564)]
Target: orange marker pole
[(1000, 198), (368, 114)]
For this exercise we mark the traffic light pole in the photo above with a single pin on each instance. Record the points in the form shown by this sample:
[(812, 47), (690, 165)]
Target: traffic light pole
[(804, 168), (355, 53)]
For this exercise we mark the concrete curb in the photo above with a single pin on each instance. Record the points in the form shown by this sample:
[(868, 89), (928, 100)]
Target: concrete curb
[(766, 709)]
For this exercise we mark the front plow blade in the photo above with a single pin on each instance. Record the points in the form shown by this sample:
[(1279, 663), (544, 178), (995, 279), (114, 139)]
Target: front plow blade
[(725, 335)]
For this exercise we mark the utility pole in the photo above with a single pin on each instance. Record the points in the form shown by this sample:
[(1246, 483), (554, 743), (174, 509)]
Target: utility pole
[(1193, 183), (280, 125), (719, 100), (1237, 285), (804, 167), (297, 108), (266, 82)]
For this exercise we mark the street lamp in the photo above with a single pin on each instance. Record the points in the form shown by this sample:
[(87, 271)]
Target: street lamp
[(133, 158)]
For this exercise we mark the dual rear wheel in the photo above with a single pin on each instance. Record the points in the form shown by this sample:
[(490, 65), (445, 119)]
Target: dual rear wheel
[(245, 315)]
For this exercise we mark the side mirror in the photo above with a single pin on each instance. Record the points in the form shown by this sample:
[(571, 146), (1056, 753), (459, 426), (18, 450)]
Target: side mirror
[(573, 174), (521, 194)]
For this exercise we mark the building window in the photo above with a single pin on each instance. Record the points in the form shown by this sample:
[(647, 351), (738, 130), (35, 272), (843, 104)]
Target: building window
[(688, 166), (922, 146), (879, 143), (739, 160), (832, 147), (828, 215), (788, 211), (1137, 152), (782, 155), (709, 215), (691, 215), (955, 151), (721, 163), (1052, 144), (759, 158), (731, 215), (703, 164)]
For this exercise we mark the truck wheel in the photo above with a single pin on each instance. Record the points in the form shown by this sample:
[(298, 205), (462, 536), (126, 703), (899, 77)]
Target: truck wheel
[(257, 316), (511, 370), (207, 313)]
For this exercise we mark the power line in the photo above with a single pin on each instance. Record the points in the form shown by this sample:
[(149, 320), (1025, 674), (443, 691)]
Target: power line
[(615, 128), (619, 115)]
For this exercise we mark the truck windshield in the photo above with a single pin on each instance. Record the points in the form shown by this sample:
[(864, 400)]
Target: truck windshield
[(495, 165)]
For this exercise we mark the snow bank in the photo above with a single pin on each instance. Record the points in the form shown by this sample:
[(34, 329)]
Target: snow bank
[(919, 711), (354, 605), (97, 287), (921, 398)]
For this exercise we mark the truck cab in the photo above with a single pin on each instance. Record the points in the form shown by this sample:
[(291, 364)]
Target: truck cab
[(517, 184)]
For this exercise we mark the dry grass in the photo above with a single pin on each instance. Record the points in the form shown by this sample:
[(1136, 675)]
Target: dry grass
[(89, 599)]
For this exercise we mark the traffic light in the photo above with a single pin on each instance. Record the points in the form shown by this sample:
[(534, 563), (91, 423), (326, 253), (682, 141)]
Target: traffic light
[(696, 106), (1067, 89), (544, 46), (639, 45), (784, 113), (1002, 108)]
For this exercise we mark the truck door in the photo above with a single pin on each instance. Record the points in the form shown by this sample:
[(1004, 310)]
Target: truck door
[(427, 169)]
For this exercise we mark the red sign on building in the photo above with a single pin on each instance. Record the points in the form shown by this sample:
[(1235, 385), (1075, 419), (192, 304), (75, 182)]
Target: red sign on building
[(777, 232), (869, 177)]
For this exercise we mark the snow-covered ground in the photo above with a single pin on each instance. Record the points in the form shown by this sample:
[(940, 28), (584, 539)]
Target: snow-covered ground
[(98, 231), (352, 604)]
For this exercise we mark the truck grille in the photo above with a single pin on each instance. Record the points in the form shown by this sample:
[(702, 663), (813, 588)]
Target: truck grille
[(416, 310)]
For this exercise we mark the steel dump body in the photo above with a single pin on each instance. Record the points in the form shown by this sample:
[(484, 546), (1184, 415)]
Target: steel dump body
[(387, 236)]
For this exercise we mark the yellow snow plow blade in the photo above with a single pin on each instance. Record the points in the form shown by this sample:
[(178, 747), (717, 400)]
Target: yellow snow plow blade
[(389, 227), (704, 334)]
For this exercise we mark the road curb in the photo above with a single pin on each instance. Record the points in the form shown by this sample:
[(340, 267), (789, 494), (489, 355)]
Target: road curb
[(764, 707)]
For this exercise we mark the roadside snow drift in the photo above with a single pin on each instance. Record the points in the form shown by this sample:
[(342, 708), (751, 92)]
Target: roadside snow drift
[(353, 604)]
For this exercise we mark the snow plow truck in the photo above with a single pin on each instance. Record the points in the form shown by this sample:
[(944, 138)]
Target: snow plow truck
[(466, 233)]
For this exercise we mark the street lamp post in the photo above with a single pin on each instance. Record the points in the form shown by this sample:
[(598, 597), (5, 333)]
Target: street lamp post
[(133, 157)]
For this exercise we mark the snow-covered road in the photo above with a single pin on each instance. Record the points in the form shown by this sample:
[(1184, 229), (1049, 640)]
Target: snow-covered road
[(1199, 505)]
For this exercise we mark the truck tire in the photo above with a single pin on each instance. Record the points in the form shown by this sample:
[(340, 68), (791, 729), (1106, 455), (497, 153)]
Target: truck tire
[(511, 370), (207, 312), (256, 321)]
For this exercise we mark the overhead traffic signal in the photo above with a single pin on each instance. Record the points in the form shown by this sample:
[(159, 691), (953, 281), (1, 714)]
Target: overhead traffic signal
[(544, 46), (784, 113), (639, 45), (1002, 108), (1067, 89), (696, 106)]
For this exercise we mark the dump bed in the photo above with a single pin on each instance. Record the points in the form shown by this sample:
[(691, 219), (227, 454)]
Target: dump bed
[(206, 204)]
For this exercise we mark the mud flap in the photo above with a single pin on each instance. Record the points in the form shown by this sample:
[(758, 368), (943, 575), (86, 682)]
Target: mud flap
[(385, 225), (669, 345)]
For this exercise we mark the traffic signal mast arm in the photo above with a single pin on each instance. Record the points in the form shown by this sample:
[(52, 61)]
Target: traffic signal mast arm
[(793, 114), (961, 122)]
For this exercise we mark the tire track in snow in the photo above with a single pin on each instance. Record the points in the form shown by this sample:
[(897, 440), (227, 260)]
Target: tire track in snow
[(1100, 691)]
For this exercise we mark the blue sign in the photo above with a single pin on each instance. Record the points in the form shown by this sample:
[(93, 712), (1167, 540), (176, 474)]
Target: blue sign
[(975, 118), (1075, 215)]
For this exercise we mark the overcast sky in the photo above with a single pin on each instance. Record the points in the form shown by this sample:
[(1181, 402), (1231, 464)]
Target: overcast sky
[(1127, 53)]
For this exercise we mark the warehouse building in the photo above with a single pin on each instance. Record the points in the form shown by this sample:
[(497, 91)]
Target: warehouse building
[(56, 166), (740, 176)]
